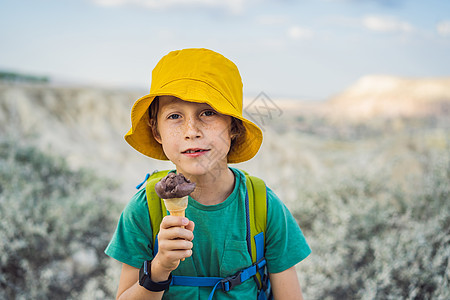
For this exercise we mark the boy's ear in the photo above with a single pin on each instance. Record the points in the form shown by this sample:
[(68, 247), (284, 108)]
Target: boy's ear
[(156, 135), (155, 132)]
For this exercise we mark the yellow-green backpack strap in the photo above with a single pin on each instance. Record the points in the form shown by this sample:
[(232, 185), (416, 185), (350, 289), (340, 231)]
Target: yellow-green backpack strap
[(156, 208), (256, 189)]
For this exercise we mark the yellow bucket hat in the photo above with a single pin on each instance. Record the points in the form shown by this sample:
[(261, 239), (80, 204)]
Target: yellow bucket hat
[(195, 75)]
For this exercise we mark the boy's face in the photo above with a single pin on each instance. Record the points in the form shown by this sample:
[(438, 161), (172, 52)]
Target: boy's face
[(194, 136)]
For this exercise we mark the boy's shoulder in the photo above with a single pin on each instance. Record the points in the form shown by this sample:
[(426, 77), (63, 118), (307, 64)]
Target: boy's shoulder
[(137, 204), (138, 198)]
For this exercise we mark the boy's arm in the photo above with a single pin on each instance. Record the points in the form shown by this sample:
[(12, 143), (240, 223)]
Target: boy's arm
[(285, 285), (129, 287), (174, 244)]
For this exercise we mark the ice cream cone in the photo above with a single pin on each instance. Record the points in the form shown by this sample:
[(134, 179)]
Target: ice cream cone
[(177, 207), (179, 213)]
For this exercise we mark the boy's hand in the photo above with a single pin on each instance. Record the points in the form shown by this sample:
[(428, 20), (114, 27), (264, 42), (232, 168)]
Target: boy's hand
[(174, 243)]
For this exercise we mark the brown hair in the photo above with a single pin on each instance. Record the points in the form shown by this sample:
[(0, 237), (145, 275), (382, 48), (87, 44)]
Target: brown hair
[(236, 131), (153, 113)]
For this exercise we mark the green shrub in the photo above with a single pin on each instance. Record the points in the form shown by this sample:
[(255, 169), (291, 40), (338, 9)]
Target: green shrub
[(373, 240), (54, 225)]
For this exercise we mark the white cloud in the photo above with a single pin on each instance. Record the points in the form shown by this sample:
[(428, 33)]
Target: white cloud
[(300, 33), (272, 19), (386, 24), (234, 6), (443, 28)]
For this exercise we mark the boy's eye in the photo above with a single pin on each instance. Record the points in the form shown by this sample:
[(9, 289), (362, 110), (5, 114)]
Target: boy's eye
[(173, 116), (209, 113)]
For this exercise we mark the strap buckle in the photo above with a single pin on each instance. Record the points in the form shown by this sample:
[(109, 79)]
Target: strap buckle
[(228, 283), (260, 264)]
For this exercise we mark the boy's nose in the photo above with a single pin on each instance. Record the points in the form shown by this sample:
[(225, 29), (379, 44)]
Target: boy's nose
[(192, 129)]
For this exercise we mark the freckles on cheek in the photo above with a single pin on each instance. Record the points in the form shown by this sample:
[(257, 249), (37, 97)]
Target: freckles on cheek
[(170, 142), (169, 133)]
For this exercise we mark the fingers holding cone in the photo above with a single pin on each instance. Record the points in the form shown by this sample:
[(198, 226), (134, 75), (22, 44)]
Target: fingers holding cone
[(177, 207)]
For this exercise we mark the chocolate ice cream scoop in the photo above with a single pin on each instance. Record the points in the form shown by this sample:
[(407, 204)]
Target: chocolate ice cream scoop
[(174, 186)]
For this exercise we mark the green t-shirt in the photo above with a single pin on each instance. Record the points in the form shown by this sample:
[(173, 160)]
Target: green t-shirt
[(220, 247)]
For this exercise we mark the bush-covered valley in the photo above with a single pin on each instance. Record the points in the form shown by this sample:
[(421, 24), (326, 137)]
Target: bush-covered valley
[(372, 197)]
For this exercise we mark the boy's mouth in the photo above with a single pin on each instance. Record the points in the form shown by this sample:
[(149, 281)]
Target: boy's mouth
[(195, 152)]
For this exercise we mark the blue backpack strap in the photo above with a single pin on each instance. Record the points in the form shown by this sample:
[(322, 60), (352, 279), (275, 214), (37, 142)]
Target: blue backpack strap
[(226, 284), (142, 183)]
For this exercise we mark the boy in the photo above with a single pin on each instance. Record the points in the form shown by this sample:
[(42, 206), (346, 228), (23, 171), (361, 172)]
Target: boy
[(193, 117)]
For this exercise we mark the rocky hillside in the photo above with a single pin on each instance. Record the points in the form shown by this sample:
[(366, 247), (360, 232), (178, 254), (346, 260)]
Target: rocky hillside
[(388, 96), (86, 125)]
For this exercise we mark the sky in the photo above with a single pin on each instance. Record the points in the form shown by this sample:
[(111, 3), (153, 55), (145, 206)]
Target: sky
[(304, 49)]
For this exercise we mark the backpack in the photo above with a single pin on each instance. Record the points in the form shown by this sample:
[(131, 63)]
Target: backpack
[(256, 220)]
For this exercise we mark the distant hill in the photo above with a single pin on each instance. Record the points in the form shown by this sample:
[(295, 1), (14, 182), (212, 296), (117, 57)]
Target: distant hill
[(9, 76), (376, 97), (388, 96)]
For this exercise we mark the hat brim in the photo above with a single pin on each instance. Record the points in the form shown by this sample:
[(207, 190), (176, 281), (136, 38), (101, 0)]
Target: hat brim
[(140, 135)]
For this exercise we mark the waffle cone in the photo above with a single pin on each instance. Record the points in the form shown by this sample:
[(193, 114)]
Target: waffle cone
[(176, 206), (178, 213)]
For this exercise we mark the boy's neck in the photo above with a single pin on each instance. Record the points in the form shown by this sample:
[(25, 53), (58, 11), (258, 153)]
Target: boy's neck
[(214, 188)]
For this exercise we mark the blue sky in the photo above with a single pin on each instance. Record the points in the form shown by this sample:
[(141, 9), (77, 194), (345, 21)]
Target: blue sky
[(292, 49)]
